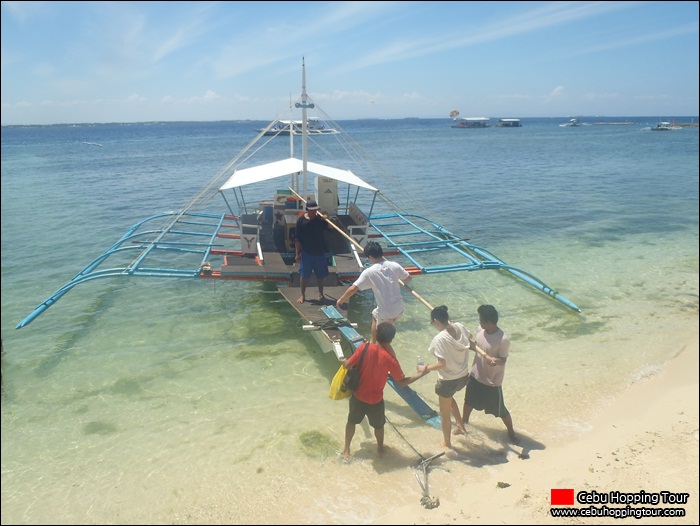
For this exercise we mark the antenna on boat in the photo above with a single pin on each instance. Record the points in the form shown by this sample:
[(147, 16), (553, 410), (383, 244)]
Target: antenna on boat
[(304, 104), (291, 127)]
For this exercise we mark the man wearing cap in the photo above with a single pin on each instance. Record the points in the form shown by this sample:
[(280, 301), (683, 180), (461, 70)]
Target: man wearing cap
[(311, 248)]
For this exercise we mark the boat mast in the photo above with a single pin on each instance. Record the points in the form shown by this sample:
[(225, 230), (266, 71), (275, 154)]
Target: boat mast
[(304, 104), (295, 176)]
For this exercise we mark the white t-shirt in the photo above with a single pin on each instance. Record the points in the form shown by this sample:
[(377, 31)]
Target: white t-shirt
[(454, 352), (383, 278)]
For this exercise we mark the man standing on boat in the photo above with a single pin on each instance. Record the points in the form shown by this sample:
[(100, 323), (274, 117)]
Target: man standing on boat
[(384, 278), (311, 249)]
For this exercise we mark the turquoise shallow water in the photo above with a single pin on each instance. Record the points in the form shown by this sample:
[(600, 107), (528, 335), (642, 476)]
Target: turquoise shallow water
[(177, 402)]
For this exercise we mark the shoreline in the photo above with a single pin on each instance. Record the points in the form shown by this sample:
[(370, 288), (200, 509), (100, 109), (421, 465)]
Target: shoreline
[(645, 440)]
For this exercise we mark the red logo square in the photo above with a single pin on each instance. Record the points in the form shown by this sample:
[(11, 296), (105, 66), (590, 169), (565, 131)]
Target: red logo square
[(562, 497)]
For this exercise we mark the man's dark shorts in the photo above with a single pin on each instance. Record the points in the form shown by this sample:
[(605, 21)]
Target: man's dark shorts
[(486, 398), (374, 412)]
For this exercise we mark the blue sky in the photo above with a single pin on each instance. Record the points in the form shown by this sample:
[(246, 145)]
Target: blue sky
[(66, 62)]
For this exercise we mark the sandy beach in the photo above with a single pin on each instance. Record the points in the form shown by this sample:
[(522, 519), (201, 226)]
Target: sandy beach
[(646, 441)]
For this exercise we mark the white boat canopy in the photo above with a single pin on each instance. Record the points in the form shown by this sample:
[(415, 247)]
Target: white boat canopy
[(309, 119), (268, 171)]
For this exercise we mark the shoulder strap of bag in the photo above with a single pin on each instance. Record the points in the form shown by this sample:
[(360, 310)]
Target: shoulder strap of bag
[(362, 356)]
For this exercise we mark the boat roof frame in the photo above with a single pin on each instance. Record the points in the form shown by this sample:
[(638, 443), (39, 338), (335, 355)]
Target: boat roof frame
[(292, 165)]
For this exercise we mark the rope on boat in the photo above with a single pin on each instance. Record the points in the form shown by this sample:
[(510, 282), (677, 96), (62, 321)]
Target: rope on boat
[(329, 323)]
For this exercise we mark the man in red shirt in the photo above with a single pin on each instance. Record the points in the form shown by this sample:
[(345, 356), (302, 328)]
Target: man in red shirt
[(368, 399)]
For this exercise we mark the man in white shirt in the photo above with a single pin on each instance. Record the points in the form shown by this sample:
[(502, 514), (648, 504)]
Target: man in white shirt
[(384, 278)]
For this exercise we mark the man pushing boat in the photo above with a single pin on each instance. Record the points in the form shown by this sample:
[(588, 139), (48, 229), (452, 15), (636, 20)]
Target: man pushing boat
[(384, 277)]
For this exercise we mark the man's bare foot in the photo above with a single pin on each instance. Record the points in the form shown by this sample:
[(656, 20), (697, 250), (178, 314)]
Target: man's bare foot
[(345, 454), (381, 451), (446, 446), (321, 297), (459, 431), (514, 439), (301, 299)]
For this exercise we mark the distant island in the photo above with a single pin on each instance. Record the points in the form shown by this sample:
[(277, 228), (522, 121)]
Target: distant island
[(616, 123)]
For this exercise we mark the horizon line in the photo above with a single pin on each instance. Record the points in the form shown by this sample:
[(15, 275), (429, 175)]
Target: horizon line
[(355, 119)]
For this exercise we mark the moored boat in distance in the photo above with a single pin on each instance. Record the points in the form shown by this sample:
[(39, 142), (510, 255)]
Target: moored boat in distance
[(285, 127), (468, 122), (572, 122), (508, 123), (665, 126)]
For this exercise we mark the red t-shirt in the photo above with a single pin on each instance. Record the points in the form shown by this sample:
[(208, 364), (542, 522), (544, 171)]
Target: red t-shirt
[(377, 364)]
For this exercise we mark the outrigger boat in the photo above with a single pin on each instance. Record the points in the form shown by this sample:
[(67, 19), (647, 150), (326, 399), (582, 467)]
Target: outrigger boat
[(253, 240)]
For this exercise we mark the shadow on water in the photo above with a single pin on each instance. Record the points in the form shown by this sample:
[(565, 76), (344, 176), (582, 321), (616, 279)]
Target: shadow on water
[(82, 323)]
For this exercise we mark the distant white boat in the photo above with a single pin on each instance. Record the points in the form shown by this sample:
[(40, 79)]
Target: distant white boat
[(508, 123), (665, 126), (314, 127), (572, 122), (468, 122)]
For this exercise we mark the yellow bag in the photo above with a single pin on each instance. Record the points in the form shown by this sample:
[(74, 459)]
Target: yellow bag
[(335, 392)]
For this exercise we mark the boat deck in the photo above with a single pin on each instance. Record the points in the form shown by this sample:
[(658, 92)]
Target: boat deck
[(311, 308), (330, 328), (278, 258)]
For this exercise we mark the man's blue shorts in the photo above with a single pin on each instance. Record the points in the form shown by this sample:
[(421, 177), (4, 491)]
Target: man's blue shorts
[(309, 263)]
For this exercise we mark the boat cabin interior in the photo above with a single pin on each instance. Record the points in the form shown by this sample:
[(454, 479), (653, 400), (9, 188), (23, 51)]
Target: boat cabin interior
[(268, 238)]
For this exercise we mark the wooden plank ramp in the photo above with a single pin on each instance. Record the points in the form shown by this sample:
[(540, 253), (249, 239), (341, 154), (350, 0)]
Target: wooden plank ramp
[(328, 335)]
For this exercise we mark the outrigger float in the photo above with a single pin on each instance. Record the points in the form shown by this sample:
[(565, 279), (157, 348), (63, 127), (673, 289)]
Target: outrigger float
[(253, 240)]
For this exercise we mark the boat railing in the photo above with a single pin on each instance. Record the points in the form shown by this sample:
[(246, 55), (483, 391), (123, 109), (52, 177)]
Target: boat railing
[(353, 222)]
